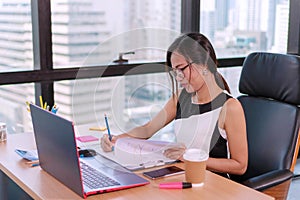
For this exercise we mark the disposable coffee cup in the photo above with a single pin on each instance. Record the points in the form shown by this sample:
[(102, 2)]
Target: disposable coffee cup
[(195, 166)]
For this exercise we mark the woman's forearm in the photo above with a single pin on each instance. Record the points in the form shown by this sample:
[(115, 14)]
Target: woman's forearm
[(231, 166)]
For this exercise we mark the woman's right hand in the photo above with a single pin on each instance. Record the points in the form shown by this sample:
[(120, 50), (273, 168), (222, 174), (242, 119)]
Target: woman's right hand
[(106, 144)]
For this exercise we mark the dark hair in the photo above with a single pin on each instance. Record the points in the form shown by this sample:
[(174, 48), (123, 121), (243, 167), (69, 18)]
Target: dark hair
[(196, 48)]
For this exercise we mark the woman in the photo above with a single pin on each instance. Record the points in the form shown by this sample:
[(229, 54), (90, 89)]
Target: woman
[(204, 112)]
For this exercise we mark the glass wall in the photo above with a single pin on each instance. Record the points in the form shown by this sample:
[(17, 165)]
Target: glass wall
[(237, 28), (15, 36), (100, 30), (94, 32), (14, 110), (128, 101), (16, 54)]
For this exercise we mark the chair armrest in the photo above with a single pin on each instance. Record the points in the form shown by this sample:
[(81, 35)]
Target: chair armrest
[(269, 179)]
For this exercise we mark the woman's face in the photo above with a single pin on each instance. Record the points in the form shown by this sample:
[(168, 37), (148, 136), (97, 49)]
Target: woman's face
[(188, 74)]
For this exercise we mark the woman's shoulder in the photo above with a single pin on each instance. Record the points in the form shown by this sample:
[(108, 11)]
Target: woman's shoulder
[(231, 111), (233, 105)]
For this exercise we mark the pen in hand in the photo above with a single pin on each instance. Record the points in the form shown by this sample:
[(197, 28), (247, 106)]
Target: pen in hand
[(107, 127)]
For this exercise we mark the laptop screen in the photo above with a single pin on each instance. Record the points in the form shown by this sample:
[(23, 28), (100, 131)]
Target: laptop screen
[(57, 151)]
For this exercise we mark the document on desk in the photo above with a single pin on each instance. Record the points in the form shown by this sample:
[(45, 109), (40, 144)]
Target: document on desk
[(137, 154)]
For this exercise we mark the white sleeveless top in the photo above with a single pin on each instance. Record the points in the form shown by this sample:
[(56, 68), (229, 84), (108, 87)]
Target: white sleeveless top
[(196, 125)]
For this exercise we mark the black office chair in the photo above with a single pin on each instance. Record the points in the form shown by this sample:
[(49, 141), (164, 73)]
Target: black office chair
[(270, 84)]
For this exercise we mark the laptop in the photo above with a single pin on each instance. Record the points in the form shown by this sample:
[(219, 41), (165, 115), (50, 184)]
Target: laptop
[(58, 156)]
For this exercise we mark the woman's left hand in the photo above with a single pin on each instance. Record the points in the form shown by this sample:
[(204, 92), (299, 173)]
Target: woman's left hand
[(175, 153)]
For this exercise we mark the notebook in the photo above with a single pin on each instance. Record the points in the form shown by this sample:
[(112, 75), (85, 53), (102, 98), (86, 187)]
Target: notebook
[(58, 156), (136, 154)]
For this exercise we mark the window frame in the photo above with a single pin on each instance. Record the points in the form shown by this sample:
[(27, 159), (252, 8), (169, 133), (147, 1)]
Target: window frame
[(44, 75)]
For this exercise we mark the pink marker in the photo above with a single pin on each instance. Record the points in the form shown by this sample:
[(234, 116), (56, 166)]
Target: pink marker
[(175, 185)]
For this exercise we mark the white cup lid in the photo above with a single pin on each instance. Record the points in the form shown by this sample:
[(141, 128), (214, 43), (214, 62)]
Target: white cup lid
[(195, 155)]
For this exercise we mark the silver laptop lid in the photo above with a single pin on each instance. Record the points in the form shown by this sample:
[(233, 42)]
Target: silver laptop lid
[(56, 145)]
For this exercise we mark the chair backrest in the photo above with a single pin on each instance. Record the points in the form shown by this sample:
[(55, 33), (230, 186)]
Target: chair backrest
[(270, 84)]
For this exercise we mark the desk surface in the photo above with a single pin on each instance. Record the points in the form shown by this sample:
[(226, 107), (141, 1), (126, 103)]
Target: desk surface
[(39, 185)]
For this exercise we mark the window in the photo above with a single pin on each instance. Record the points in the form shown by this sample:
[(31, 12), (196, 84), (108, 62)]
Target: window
[(16, 54), (15, 36), (237, 28), (128, 101), (94, 32), (14, 111), (100, 30)]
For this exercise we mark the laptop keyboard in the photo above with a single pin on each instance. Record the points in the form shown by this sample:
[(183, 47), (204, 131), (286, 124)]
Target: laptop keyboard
[(95, 179)]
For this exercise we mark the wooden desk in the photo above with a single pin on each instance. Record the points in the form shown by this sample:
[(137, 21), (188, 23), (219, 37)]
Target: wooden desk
[(39, 185)]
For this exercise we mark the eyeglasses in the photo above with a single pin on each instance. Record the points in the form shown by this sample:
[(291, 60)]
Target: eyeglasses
[(179, 71)]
